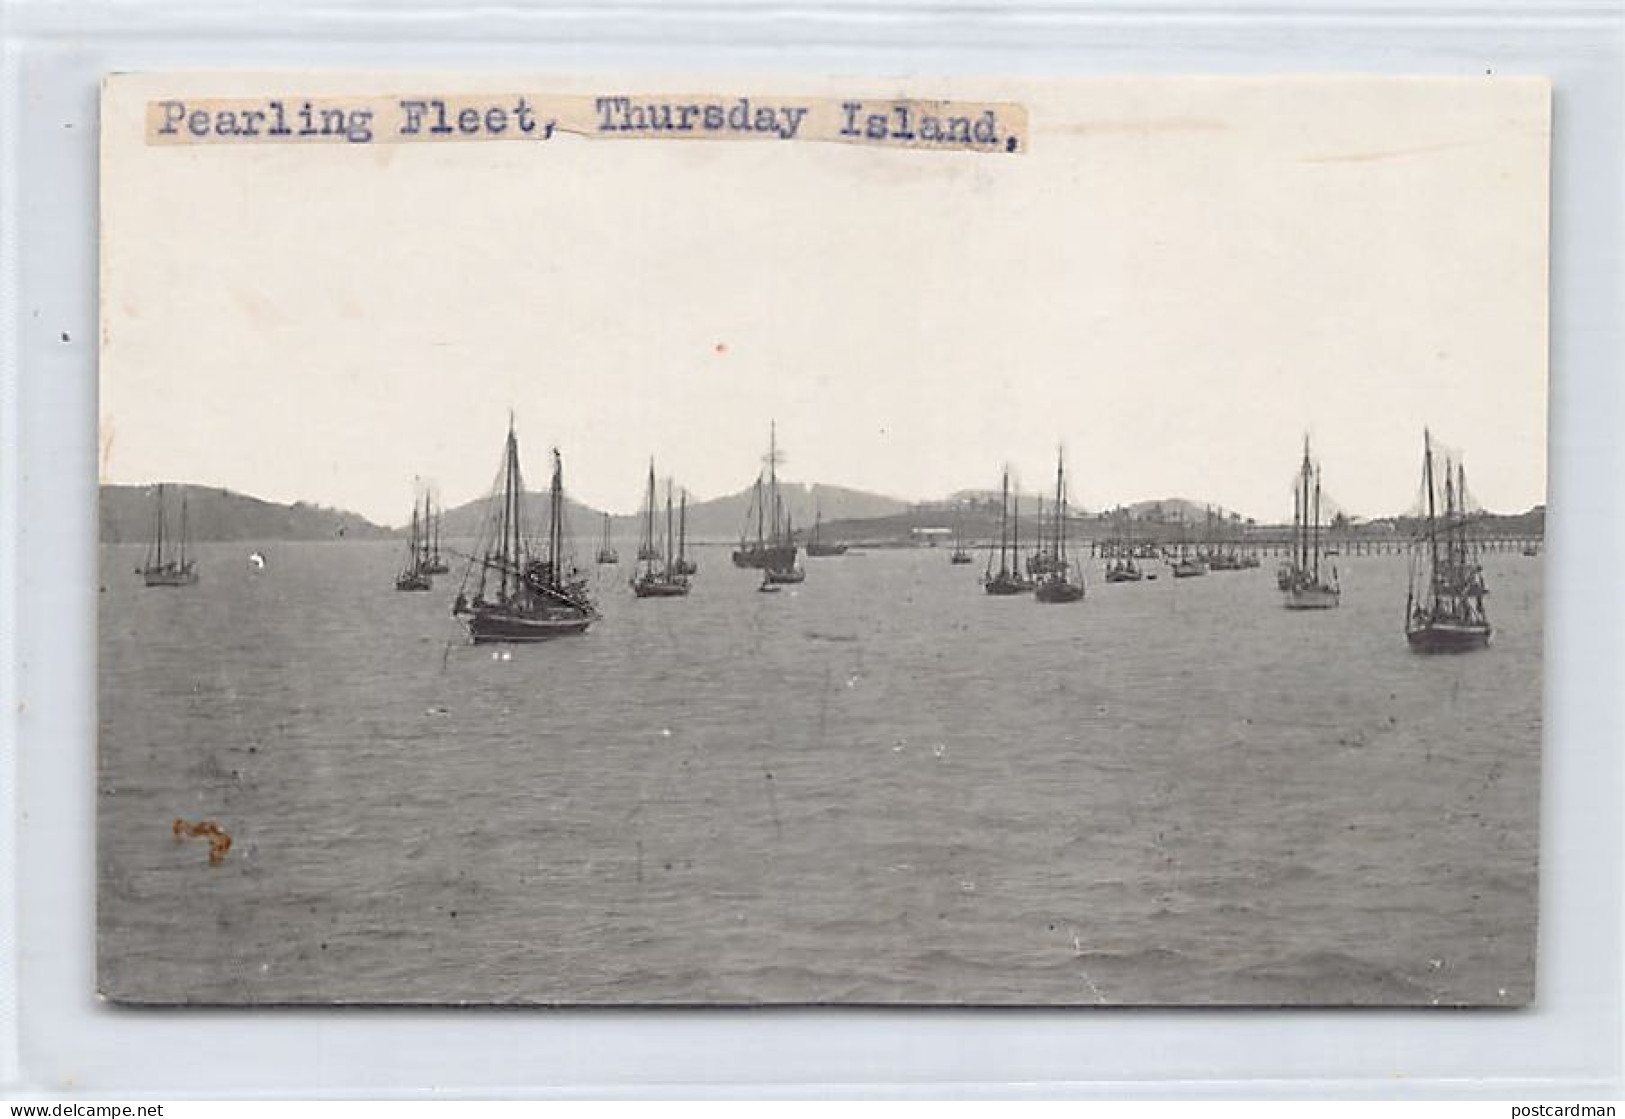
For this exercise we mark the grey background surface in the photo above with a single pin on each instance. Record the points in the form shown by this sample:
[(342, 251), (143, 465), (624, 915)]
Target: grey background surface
[(56, 1039)]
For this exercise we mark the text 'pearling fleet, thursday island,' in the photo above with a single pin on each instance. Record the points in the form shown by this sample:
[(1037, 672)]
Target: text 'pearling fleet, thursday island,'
[(925, 125)]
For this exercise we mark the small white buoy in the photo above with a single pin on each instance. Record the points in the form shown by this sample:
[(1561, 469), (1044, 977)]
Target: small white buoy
[(256, 562)]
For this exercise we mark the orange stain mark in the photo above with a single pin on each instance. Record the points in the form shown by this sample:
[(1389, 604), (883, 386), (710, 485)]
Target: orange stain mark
[(219, 841), (720, 347)]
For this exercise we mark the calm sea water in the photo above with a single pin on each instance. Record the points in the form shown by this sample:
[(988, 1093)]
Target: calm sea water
[(883, 785)]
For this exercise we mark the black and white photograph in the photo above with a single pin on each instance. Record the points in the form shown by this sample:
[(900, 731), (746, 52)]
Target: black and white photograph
[(927, 542)]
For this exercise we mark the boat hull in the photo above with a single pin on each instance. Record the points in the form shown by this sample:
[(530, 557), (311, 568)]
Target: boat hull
[(414, 583), (1312, 598), (1058, 591), (1006, 586), (771, 556), (783, 577), (1123, 576), (1189, 570), (659, 589), (493, 628), (959, 558), (1448, 637), (170, 577), (826, 549)]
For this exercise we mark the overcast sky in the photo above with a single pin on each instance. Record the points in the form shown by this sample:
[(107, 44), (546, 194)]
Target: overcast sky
[(1177, 282)]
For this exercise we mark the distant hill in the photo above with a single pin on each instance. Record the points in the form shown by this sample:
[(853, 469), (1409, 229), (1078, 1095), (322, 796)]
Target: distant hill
[(218, 514), (721, 518)]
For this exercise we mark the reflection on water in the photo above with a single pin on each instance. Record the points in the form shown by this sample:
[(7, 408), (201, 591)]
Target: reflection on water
[(881, 785)]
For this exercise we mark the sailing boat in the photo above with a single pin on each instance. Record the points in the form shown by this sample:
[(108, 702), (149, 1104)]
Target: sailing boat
[(167, 568), (414, 575), (658, 579), (1304, 587), (1008, 579), (531, 597), (773, 547), (1444, 607), (682, 565), (1187, 566), (606, 551), (1122, 568), (434, 564), (1042, 561), (1056, 585), (960, 556), (774, 573), (816, 545)]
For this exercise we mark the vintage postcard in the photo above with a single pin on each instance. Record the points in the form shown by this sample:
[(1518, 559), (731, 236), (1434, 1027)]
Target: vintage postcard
[(695, 539)]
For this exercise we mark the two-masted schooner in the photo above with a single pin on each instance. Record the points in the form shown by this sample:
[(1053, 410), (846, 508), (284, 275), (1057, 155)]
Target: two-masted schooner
[(774, 548), (1043, 559), (1056, 584), (606, 548), (521, 594), (657, 575), (816, 544), (960, 555), (434, 563), (415, 573), (684, 564), (167, 564), (1121, 568), (775, 572), (1444, 606), (1008, 579), (1304, 584)]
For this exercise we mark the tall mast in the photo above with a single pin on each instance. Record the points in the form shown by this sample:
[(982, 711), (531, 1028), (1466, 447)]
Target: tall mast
[(508, 526), (761, 509), (160, 560), (1060, 510), (1461, 510), (1317, 525), (1004, 519), (1297, 519), (682, 528), (1433, 532), (555, 528), (424, 542), (183, 531), (668, 529), (649, 522), (773, 473), (1015, 533)]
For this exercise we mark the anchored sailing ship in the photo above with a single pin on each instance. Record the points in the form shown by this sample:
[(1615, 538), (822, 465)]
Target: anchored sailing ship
[(167, 566), (414, 574), (1043, 560), (816, 544), (1056, 584), (773, 547), (1302, 582), (519, 594), (1008, 579), (606, 550), (960, 556), (1444, 607), (659, 577), (435, 564), (774, 572), (682, 565)]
